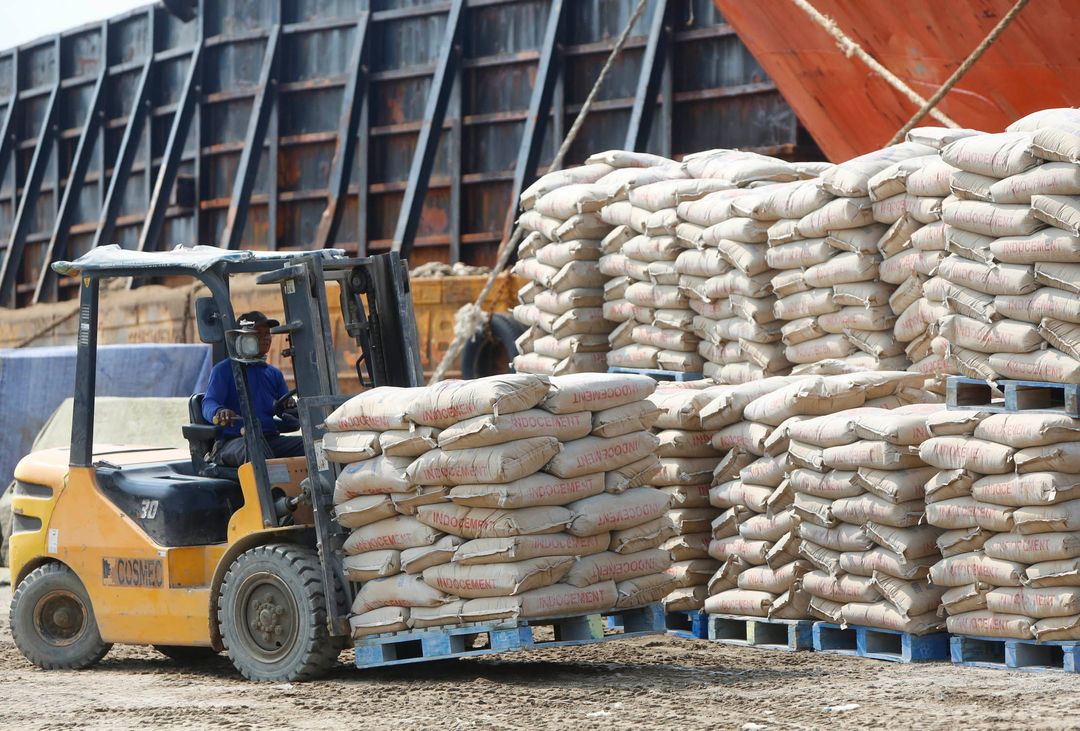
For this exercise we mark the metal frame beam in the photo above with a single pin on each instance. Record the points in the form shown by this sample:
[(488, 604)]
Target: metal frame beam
[(7, 132), (652, 65), (532, 137), (84, 151), (248, 166), (125, 155), (174, 148), (9, 270), (353, 101), (427, 143)]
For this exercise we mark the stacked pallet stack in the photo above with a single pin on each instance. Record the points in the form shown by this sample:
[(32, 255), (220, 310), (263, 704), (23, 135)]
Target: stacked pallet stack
[(503, 497), (562, 303), (860, 500), (769, 493), (1010, 506)]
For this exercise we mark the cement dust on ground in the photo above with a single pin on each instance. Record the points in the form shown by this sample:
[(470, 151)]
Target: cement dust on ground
[(658, 682)]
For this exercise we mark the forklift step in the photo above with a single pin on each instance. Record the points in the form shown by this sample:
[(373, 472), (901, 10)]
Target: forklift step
[(486, 638)]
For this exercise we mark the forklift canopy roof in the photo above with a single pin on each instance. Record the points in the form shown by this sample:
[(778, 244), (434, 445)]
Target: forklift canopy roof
[(104, 260)]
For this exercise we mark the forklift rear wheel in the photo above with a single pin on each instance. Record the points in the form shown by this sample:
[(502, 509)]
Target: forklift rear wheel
[(52, 621), (272, 615), (186, 654)]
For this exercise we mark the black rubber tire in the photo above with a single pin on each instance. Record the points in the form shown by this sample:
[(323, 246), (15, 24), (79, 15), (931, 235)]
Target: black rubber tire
[(491, 348), (43, 609), (288, 579), (186, 654)]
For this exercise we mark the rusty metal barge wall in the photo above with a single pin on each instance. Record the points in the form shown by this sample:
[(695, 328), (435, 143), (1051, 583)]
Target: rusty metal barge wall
[(364, 124)]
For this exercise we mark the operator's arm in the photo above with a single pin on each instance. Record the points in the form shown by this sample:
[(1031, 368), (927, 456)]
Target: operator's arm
[(217, 390)]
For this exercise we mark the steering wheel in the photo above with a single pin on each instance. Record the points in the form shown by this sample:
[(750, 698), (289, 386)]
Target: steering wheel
[(286, 416)]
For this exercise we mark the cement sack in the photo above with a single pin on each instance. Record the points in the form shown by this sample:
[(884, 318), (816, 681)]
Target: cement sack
[(977, 455), (870, 454), (686, 599), (590, 454), (559, 303), (968, 568), (768, 527), (844, 588), (1057, 628), (880, 345), (886, 616), (1010, 279), (727, 523), (1040, 603), (816, 510), (865, 508), (995, 155), (774, 581), (1048, 518), (831, 430), (988, 624), (376, 476), (1061, 211), (971, 186), (839, 213), (966, 512), (535, 490), (688, 547), (1033, 548), (352, 446), (790, 281), (991, 219), (379, 409), (842, 269), (1062, 335), (931, 180), (823, 559), (681, 408), (684, 471), (440, 616), (798, 254), (665, 338), (688, 496), (766, 471), (865, 563), (1028, 430), (814, 395), (796, 199), (859, 319), (726, 577), (466, 522), (634, 356), (911, 598), (863, 240), (695, 572), (736, 492), (896, 486), (1043, 365), (910, 543), (1046, 302), (554, 180), (691, 520), (595, 392), (607, 512), (642, 591), (852, 177), (748, 436), (740, 602), (379, 621), (495, 464), (975, 305), (568, 347), (617, 567), (448, 402), (495, 580), (827, 610), (372, 565), (752, 552), (362, 510), (1048, 245), (862, 294), (1003, 336), (843, 537), (634, 474), (403, 590), (406, 503), (966, 598), (1063, 572), (488, 430), (521, 548), (1033, 488), (408, 442), (971, 364), (811, 303), (651, 534), (415, 560), (1058, 139), (1062, 457), (561, 254), (569, 200)]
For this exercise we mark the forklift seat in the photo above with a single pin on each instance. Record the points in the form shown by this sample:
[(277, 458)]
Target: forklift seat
[(201, 436)]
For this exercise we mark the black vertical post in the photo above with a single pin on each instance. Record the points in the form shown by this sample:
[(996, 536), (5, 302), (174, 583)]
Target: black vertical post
[(641, 115), (457, 107), (82, 418), (7, 130)]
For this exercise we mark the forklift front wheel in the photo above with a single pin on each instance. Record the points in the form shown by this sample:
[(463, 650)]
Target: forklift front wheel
[(52, 621), (272, 615)]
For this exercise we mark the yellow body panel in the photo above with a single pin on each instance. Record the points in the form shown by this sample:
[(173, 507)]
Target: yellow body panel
[(141, 593)]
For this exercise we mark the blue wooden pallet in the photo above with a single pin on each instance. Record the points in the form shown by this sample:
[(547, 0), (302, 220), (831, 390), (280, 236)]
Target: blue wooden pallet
[(774, 634), (443, 643), (1037, 397), (1010, 654), (693, 625), (660, 374), (880, 644)]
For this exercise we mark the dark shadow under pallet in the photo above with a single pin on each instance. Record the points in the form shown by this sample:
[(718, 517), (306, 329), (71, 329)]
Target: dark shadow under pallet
[(660, 375), (1010, 654), (485, 638), (880, 644), (692, 624), (1027, 396), (774, 634)]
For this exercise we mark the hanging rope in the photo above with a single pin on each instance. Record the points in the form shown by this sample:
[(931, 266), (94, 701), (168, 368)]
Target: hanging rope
[(963, 69), (850, 48), (471, 316)]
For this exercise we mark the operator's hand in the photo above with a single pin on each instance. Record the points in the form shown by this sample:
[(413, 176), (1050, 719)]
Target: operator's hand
[(225, 417)]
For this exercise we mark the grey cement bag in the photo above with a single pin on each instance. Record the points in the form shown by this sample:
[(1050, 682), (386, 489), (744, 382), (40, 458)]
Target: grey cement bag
[(495, 464)]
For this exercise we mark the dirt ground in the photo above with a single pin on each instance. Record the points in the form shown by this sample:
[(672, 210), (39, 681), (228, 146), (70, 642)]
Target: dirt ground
[(662, 682)]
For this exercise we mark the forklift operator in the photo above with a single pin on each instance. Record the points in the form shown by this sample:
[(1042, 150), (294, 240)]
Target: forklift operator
[(221, 402)]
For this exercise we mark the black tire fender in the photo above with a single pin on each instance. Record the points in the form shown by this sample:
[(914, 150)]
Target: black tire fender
[(499, 333)]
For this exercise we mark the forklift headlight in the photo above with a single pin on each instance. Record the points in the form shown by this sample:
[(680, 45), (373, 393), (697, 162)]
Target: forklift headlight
[(245, 343)]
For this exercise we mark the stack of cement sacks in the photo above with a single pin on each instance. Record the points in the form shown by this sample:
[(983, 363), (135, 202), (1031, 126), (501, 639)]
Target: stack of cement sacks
[(1008, 498), (503, 497), (859, 486), (562, 303), (767, 492), (1013, 237), (688, 456)]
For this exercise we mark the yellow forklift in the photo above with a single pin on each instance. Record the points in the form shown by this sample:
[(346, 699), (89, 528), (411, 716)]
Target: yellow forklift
[(141, 545)]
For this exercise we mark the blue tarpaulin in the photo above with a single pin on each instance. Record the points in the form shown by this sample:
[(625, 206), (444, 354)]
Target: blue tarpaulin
[(35, 381)]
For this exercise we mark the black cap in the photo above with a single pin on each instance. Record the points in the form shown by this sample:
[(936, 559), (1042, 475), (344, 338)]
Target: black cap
[(255, 319)]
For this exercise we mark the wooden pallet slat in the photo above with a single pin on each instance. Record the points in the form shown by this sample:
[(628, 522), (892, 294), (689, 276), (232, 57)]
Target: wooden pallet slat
[(880, 644), (1038, 397), (693, 625), (790, 635), (1013, 654)]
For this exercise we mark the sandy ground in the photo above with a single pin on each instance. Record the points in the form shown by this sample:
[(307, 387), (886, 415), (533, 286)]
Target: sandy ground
[(653, 682)]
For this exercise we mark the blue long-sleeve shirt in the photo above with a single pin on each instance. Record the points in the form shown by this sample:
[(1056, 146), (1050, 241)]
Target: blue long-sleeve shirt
[(266, 382)]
